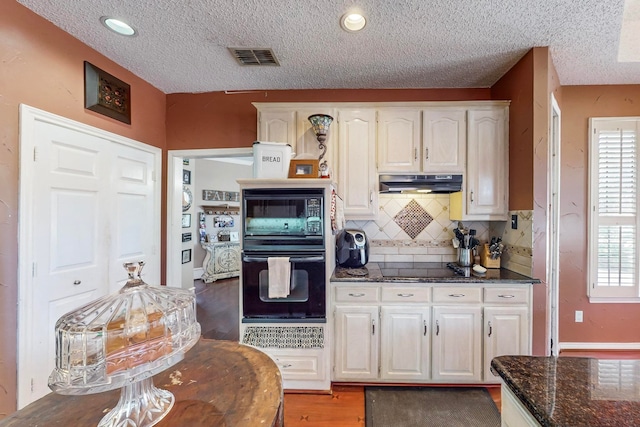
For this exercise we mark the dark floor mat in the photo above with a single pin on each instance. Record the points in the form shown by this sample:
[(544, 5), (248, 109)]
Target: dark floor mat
[(430, 407)]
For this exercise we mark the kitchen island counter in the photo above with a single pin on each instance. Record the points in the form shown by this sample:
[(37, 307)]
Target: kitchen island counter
[(425, 273), (573, 391)]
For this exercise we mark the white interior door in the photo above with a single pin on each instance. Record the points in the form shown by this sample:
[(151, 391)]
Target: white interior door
[(133, 199), (88, 203), (69, 237)]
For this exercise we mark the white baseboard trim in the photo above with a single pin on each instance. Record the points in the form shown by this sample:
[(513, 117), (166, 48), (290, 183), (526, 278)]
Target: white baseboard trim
[(599, 346), (197, 273)]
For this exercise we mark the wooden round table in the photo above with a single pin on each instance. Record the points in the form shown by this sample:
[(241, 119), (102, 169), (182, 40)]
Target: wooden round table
[(219, 383)]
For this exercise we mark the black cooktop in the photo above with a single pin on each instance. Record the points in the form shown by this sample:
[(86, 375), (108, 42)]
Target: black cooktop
[(432, 270)]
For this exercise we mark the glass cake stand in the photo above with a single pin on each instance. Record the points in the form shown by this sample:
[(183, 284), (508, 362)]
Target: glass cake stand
[(122, 341)]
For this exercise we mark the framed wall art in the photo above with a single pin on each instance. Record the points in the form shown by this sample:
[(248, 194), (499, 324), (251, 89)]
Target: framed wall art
[(106, 94), (186, 176), (186, 220), (186, 237), (186, 256)]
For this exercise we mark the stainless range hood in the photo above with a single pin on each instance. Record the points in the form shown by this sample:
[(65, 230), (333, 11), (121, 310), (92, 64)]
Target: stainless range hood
[(420, 183)]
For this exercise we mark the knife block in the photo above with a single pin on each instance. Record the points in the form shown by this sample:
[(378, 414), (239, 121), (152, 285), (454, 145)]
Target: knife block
[(485, 258)]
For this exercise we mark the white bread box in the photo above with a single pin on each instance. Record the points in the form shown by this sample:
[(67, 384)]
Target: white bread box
[(271, 159)]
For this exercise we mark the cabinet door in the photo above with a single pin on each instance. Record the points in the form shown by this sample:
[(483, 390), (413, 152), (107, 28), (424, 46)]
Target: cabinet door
[(398, 134), (357, 180), (356, 341), (487, 164), (277, 126), (404, 343), (457, 346), (444, 140), (506, 332)]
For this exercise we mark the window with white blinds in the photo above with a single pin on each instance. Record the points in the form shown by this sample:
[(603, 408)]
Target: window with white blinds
[(614, 221)]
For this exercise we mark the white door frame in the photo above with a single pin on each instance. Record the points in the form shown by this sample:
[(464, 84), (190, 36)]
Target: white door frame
[(174, 202), (553, 229), (29, 116)]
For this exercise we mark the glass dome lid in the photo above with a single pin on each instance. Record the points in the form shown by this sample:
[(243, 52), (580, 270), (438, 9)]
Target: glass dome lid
[(122, 340)]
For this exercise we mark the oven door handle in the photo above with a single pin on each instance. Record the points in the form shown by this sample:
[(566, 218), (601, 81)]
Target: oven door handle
[(296, 259)]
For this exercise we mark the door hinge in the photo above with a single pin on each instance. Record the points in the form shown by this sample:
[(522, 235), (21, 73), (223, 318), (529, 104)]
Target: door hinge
[(35, 154), (31, 385), (34, 269), (153, 176)]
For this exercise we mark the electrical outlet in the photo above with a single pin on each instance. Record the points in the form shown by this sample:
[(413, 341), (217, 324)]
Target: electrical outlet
[(579, 317), (514, 222)]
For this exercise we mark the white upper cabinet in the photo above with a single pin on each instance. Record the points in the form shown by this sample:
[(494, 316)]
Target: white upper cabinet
[(277, 126), (399, 148), (431, 140), (357, 178), (485, 190), (291, 125), (444, 140)]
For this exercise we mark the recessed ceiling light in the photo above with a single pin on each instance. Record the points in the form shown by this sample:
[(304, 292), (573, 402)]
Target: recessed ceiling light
[(118, 26), (352, 22)]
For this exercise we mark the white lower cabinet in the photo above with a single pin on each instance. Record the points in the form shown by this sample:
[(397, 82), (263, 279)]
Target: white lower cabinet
[(457, 346), (513, 413), (404, 343), (420, 334), (357, 344)]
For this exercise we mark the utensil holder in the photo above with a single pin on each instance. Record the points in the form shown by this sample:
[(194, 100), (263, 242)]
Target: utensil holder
[(465, 257)]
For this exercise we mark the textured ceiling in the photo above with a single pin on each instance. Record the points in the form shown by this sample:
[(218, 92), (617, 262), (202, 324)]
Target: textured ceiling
[(182, 44)]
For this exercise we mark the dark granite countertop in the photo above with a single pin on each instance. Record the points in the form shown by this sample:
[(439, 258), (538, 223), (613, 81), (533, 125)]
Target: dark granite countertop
[(574, 391), (371, 273)]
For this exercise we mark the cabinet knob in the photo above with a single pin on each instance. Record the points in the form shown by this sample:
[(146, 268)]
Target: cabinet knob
[(471, 196), (77, 282), (415, 154), (373, 327), (437, 327), (424, 322), (506, 296), (356, 295), (456, 295), (490, 329), (426, 153), (405, 295)]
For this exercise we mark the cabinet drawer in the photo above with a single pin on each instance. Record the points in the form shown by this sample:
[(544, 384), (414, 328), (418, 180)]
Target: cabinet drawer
[(298, 366), (406, 294), (506, 295), (357, 294), (457, 295)]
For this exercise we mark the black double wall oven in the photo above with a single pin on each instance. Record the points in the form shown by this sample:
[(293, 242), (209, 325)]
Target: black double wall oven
[(289, 223)]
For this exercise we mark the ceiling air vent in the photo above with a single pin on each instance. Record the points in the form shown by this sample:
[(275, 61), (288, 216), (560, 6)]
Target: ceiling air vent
[(252, 56)]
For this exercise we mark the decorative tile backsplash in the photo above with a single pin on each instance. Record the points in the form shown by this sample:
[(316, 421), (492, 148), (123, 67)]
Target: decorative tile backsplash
[(414, 228), (417, 228), (518, 252), (413, 219)]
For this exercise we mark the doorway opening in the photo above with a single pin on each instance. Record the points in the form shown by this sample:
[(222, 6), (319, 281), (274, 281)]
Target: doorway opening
[(175, 159), (553, 231)]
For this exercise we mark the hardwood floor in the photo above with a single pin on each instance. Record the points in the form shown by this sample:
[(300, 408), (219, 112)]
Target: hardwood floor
[(217, 312)]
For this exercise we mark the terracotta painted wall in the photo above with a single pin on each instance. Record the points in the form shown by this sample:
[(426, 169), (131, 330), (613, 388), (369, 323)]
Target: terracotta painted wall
[(42, 66), (219, 120), (528, 85), (602, 322), (517, 85)]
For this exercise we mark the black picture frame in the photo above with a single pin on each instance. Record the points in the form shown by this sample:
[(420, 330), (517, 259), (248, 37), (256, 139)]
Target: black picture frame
[(186, 256), (186, 237), (186, 220), (106, 94), (186, 176)]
